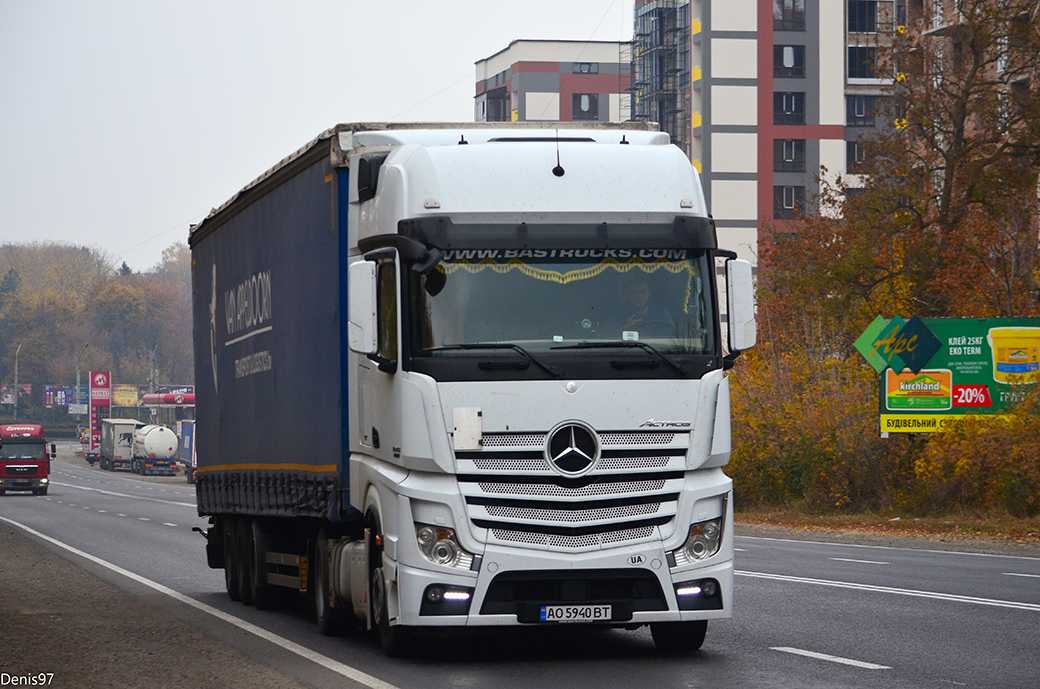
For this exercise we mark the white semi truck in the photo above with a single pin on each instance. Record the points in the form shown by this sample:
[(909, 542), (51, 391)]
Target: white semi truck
[(471, 376)]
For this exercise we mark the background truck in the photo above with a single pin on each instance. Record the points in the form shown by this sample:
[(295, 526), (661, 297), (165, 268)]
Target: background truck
[(25, 458), (186, 454), (471, 376), (155, 451), (117, 443)]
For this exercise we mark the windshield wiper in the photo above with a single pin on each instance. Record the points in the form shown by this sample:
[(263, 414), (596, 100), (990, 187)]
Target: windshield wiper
[(627, 345), (551, 370)]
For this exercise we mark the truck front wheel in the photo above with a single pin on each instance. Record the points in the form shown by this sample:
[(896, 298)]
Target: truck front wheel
[(677, 637)]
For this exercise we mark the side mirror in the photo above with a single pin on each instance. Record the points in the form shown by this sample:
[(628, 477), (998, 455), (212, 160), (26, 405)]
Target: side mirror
[(362, 325), (54, 451), (740, 292)]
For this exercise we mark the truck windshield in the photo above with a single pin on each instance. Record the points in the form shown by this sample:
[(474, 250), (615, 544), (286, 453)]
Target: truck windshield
[(11, 450), (543, 300)]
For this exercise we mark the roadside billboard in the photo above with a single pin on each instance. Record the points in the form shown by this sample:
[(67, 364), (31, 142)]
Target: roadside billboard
[(935, 371)]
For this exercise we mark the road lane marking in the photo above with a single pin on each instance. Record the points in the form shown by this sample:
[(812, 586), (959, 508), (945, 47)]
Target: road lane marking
[(168, 524), (833, 659), (124, 495), (143, 519), (339, 668), (1016, 574), (862, 562), (902, 549), (953, 598)]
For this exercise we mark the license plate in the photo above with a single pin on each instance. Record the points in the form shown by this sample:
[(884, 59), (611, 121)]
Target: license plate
[(575, 613)]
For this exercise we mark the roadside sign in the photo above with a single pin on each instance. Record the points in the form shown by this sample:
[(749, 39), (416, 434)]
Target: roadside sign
[(940, 370)]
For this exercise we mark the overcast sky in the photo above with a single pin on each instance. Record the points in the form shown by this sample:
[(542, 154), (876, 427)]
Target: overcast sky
[(123, 122)]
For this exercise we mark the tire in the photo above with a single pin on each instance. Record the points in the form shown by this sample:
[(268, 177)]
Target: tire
[(264, 594), (3, 492), (331, 621), (40, 491), (395, 640), (244, 547), (678, 637), (230, 556)]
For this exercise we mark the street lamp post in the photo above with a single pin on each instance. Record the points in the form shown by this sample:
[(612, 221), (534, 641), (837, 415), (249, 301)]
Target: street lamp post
[(16, 381), (76, 396)]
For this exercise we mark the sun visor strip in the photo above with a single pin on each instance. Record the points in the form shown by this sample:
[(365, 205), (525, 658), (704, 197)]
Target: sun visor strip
[(684, 232)]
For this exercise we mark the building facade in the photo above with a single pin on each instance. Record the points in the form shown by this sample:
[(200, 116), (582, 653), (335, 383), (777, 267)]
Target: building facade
[(778, 90), (554, 81)]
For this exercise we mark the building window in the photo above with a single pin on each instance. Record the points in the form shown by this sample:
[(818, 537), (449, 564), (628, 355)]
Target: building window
[(788, 202), (585, 106), (788, 108), (789, 15), (788, 60), (585, 68), (937, 13), (862, 62), (859, 111), (788, 155), (854, 156), (862, 16)]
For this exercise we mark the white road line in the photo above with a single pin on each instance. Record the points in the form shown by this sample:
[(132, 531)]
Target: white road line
[(833, 659), (1016, 574), (862, 562), (143, 519), (123, 495), (339, 668), (168, 524), (886, 547), (953, 598)]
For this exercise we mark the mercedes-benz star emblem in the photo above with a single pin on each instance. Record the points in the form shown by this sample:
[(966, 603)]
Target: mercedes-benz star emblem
[(572, 448)]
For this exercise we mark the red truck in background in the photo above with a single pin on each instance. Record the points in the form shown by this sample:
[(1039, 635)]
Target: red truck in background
[(25, 458)]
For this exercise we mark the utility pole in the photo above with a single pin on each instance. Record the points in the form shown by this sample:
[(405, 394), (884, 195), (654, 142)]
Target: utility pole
[(76, 396), (16, 389)]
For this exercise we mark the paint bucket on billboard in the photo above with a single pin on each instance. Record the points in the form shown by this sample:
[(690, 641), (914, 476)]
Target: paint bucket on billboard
[(1016, 355)]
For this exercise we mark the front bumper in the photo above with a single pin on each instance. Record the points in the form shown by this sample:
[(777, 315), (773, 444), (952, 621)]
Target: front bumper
[(514, 584)]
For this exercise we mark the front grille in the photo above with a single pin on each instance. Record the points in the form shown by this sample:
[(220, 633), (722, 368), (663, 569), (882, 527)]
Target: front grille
[(513, 490)]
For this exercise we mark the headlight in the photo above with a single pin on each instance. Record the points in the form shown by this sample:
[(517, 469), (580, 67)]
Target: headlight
[(703, 542), (439, 545)]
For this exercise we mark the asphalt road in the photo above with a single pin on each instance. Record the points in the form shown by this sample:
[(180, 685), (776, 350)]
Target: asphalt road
[(807, 614)]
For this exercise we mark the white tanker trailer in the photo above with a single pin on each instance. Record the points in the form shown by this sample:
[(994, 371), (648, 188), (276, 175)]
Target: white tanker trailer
[(155, 451)]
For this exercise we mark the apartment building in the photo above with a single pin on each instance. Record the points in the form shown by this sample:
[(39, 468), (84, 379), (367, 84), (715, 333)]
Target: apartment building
[(554, 81)]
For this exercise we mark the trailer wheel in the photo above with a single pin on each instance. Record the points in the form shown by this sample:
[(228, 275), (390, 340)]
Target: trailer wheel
[(230, 555), (330, 620), (675, 637), (244, 548), (263, 594)]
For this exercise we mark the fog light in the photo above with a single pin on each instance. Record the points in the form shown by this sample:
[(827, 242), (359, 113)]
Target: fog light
[(710, 588), (457, 595), (446, 599)]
